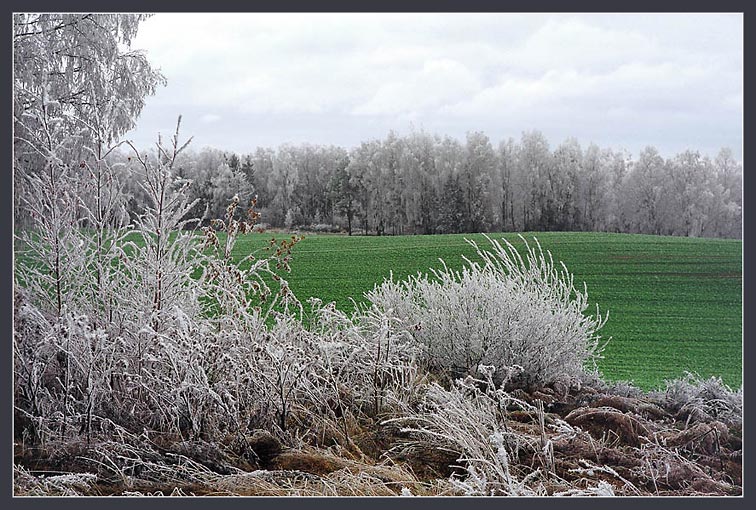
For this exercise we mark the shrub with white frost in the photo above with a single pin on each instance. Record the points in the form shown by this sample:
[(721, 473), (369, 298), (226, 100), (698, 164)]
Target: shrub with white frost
[(504, 310), (703, 400)]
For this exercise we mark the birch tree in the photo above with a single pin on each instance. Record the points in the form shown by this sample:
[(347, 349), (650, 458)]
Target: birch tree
[(77, 88)]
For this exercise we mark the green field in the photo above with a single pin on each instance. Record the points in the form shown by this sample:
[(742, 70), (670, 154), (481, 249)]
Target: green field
[(674, 303)]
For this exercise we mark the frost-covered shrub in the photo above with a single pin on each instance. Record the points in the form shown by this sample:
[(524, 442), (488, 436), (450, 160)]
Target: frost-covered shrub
[(166, 352), (703, 400), (506, 311), (231, 287), (366, 355), (63, 373), (315, 379)]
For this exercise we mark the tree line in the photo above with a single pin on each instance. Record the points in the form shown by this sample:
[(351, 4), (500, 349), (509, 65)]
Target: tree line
[(78, 89), (424, 183)]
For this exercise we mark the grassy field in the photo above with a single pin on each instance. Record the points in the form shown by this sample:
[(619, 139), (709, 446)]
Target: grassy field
[(674, 303)]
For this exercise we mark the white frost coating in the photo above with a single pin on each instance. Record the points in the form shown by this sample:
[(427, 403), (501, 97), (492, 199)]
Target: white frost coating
[(504, 311)]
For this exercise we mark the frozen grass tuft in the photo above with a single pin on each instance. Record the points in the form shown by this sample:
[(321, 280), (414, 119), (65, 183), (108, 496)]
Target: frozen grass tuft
[(703, 400)]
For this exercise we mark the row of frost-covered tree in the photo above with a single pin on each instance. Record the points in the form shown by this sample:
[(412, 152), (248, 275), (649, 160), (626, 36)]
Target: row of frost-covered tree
[(76, 92), (427, 184)]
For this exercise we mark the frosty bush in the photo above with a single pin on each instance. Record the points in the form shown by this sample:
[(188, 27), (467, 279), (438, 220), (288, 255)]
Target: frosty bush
[(136, 326), (364, 356), (703, 400), (506, 311)]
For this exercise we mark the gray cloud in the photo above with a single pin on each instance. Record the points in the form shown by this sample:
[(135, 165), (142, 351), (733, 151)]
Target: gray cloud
[(624, 81)]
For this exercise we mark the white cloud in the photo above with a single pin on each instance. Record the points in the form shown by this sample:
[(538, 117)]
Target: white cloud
[(733, 102), (209, 118), (449, 70), (573, 43), (437, 83)]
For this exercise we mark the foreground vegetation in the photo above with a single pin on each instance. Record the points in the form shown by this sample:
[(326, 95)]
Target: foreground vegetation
[(474, 381), (674, 303), (465, 440)]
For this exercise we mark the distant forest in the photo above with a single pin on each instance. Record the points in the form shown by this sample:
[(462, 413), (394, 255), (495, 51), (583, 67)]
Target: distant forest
[(428, 184)]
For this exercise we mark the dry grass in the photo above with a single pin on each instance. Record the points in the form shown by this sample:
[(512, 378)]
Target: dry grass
[(470, 439)]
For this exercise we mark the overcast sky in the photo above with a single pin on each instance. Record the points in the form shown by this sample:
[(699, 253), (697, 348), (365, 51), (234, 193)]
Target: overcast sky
[(624, 81)]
